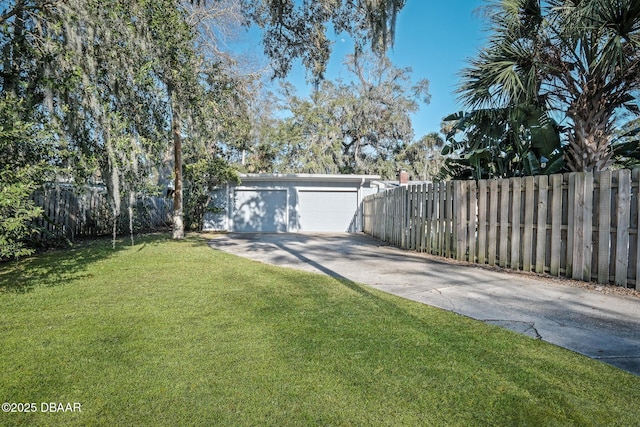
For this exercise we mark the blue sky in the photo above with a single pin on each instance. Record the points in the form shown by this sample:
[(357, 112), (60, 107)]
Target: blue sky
[(434, 38)]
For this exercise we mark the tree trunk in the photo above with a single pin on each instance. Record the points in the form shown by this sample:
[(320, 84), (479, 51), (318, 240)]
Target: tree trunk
[(178, 214), (589, 148)]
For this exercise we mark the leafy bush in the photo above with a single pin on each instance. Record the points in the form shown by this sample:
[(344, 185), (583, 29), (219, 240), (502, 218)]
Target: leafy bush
[(201, 176), (24, 163)]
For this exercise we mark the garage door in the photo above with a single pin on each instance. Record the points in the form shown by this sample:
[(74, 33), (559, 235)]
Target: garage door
[(333, 211), (260, 211)]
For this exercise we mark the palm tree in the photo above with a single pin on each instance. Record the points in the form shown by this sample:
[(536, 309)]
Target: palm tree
[(577, 58)]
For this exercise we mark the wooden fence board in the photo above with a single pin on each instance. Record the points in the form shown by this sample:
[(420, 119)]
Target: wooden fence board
[(504, 223), (541, 229), (442, 219), (408, 203), (482, 221), (403, 230), (581, 261), (400, 221), (636, 225), (450, 224), (411, 206), (622, 227), (419, 218), (425, 210), (527, 234), (493, 222), (473, 212), (460, 203), (429, 232), (571, 195), (423, 223), (604, 226), (416, 218), (587, 226), (556, 224), (633, 230), (515, 222)]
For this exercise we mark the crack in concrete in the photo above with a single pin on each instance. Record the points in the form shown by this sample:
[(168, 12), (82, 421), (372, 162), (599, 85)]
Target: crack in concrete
[(453, 306), (532, 325)]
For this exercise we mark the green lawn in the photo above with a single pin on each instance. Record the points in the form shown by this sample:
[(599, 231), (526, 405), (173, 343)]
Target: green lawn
[(169, 333)]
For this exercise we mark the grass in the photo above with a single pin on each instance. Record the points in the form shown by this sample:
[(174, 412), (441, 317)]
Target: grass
[(170, 333)]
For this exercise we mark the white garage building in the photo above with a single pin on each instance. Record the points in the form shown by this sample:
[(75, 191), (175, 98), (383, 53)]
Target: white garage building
[(271, 203)]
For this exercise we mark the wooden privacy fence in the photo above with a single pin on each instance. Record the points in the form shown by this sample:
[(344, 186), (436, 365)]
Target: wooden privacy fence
[(78, 213), (578, 225)]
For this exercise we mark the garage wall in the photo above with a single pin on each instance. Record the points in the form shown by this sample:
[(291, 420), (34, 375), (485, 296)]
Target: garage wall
[(290, 203)]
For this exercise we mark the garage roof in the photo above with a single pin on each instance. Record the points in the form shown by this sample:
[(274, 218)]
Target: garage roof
[(255, 177)]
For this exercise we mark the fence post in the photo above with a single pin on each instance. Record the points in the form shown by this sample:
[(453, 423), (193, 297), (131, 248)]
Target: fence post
[(515, 222), (493, 221), (622, 229), (635, 178), (541, 231), (442, 238), (429, 232), (604, 225), (556, 224), (527, 234), (413, 210), (473, 212), (572, 223), (423, 217), (582, 200), (449, 225), (504, 223), (402, 200), (460, 219), (482, 221)]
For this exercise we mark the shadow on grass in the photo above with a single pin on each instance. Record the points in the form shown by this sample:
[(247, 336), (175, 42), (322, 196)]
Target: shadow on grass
[(362, 290), (384, 347), (268, 242), (58, 267)]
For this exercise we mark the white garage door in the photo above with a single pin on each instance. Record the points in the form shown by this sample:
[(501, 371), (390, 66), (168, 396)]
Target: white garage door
[(329, 211), (260, 211)]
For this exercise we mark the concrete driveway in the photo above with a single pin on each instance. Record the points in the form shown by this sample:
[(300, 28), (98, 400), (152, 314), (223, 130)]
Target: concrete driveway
[(596, 324)]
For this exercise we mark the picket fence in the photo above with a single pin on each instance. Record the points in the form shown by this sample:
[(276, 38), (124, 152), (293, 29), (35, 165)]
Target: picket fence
[(578, 225), (71, 213)]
